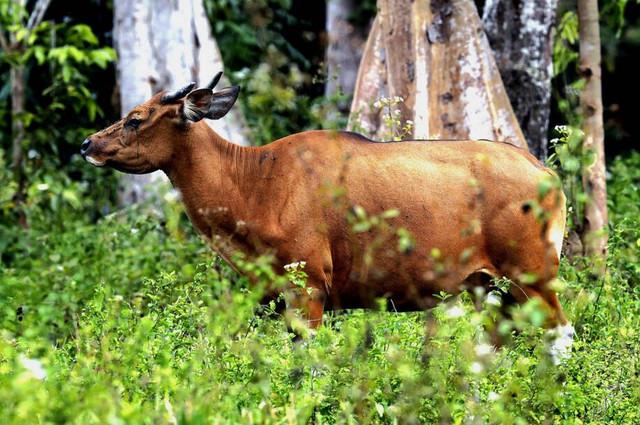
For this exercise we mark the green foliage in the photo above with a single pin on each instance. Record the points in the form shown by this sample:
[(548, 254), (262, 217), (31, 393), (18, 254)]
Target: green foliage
[(397, 130), (58, 60), (568, 81), (124, 322), (52, 200), (564, 46), (571, 159), (624, 210)]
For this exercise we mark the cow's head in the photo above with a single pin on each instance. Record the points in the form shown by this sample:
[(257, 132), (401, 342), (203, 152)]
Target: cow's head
[(150, 134)]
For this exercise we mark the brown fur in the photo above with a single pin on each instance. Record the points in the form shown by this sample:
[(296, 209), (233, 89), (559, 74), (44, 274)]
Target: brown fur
[(292, 198)]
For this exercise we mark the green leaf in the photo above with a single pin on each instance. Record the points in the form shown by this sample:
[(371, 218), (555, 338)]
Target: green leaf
[(571, 165), (544, 186), (76, 54), (39, 53), (72, 198), (20, 34), (528, 278), (82, 32), (361, 227), (92, 108), (359, 212), (380, 409), (589, 158), (392, 213)]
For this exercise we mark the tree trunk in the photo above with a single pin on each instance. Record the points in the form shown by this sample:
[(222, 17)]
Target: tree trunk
[(136, 74), (435, 55), (521, 36), (163, 45), (594, 234), (136, 78), (17, 109), (370, 85), (344, 50), (17, 76)]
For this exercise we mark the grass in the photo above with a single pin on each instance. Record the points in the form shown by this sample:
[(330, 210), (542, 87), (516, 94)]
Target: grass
[(130, 321)]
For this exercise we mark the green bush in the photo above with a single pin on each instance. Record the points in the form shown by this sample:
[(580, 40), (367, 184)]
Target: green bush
[(131, 321)]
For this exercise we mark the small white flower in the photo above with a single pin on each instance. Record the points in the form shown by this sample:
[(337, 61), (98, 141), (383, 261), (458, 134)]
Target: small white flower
[(455, 311), (170, 413), (42, 186), (493, 299), (172, 196), (493, 396), (34, 367), (483, 349), (295, 266), (476, 367)]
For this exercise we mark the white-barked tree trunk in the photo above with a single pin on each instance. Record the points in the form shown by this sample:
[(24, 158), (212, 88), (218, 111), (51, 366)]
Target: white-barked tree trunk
[(436, 57), (163, 45)]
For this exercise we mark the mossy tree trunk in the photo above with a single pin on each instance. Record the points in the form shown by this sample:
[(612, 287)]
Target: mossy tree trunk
[(521, 35)]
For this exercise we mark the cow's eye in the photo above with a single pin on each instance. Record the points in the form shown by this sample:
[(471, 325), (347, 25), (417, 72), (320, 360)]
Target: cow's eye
[(133, 123)]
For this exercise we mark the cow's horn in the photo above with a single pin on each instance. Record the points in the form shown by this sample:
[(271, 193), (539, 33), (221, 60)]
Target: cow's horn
[(215, 80), (178, 94)]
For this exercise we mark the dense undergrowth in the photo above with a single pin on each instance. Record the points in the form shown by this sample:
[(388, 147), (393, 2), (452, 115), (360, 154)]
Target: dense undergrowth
[(131, 321)]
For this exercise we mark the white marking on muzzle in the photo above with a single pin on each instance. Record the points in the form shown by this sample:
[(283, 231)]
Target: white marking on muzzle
[(94, 161), (560, 349)]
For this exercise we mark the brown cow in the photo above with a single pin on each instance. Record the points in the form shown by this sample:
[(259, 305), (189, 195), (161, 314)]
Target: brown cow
[(472, 208)]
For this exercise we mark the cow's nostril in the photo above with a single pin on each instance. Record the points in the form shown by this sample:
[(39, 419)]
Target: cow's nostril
[(85, 146)]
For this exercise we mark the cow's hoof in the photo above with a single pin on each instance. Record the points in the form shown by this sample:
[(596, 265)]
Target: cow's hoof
[(562, 341)]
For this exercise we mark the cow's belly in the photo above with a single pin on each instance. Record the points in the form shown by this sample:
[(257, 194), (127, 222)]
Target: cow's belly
[(407, 284)]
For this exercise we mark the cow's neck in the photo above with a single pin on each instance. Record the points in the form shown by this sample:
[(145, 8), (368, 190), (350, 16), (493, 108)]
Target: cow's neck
[(209, 172)]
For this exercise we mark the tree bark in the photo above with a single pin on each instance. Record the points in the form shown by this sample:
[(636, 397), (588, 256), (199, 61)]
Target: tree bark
[(17, 76), (344, 50), (435, 55), (162, 45), (137, 78), (17, 109), (400, 58), (521, 34), (594, 234), (370, 84)]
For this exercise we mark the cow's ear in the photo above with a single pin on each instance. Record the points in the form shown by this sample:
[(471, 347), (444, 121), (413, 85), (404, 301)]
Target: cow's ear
[(197, 103), (222, 102)]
